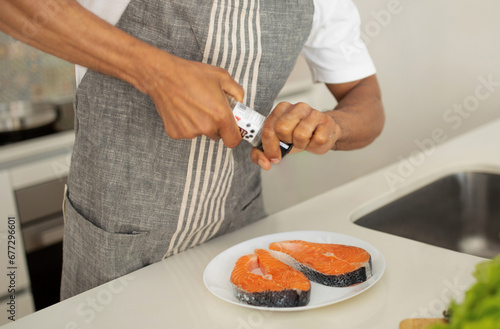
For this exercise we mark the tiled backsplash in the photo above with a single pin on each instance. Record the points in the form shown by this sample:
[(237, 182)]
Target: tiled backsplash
[(27, 74)]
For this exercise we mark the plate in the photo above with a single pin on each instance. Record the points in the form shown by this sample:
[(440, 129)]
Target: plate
[(218, 272)]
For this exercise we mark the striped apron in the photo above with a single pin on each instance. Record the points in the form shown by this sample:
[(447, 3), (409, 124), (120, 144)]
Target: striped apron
[(135, 195)]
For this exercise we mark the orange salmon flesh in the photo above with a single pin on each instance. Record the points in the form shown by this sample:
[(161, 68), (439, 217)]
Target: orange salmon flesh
[(261, 272), (326, 258)]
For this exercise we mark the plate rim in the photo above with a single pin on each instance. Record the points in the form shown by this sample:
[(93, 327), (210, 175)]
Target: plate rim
[(379, 258)]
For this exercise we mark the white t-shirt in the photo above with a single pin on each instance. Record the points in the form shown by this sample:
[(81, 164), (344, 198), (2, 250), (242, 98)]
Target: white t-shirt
[(334, 50)]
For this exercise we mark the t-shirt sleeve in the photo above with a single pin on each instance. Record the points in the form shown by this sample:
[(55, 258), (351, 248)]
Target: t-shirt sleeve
[(334, 50)]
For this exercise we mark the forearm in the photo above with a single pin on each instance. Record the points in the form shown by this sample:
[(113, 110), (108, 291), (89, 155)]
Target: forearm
[(190, 97), (359, 115), (67, 30)]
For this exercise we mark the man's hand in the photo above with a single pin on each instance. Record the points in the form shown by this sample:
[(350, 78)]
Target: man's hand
[(308, 129), (191, 98), (355, 122)]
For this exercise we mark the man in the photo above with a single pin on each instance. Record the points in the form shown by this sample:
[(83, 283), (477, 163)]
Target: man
[(157, 165)]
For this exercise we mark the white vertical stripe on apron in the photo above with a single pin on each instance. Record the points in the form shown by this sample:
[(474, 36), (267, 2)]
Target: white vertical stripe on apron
[(218, 215), (225, 42), (255, 62), (234, 37), (207, 181), (258, 56), (251, 50), (202, 214), (209, 201), (220, 206), (193, 199), (206, 52), (237, 74), (216, 51), (226, 179), (185, 196), (216, 224), (180, 243)]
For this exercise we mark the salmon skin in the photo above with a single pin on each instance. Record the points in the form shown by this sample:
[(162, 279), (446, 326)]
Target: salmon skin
[(260, 279), (329, 264)]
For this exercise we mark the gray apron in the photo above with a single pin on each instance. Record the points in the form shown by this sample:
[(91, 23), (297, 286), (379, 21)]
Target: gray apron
[(135, 195)]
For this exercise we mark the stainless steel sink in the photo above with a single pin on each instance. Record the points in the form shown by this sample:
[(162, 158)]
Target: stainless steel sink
[(459, 212)]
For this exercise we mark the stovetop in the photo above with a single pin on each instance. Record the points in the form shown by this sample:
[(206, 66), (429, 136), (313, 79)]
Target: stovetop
[(63, 123)]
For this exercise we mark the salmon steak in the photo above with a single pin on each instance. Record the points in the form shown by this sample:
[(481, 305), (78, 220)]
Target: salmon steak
[(259, 279), (334, 265)]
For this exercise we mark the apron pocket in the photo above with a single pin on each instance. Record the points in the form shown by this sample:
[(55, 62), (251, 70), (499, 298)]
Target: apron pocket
[(92, 256)]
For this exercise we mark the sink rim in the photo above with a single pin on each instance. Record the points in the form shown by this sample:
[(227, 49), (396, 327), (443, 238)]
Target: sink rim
[(414, 184)]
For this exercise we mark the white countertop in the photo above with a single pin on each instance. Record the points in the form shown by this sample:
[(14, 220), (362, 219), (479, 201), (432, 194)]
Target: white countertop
[(418, 282)]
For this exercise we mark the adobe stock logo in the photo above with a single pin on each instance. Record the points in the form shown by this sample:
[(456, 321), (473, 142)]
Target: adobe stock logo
[(96, 303), (461, 111), (371, 29), (454, 116), (452, 290)]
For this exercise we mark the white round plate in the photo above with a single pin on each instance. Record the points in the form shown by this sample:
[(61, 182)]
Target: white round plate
[(218, 272)]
